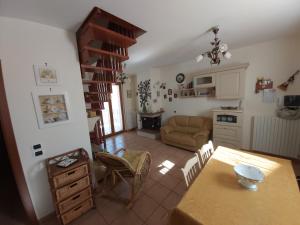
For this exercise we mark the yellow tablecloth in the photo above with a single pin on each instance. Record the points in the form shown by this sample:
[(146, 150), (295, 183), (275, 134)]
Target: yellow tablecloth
[(216, 198)]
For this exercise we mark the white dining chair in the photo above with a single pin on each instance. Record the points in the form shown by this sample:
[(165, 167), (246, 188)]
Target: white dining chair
[(206, 152), (191, 169)]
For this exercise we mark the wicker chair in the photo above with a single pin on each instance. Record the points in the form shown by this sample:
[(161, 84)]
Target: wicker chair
[(133, 164)]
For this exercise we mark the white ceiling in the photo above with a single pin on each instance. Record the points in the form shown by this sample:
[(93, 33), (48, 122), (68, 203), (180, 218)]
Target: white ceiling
[(175, 28)]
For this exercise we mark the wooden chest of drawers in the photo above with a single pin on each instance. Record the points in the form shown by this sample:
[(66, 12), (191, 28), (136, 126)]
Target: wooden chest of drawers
[(71, 187)]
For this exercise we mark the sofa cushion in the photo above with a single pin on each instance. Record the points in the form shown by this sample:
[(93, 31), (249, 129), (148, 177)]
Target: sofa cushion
[(179, 121), (200, 122), (181, 138)]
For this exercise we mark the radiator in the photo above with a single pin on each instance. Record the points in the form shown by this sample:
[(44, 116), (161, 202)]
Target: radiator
[(276, 136)]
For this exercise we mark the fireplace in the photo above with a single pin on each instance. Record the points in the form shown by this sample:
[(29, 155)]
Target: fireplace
[(151, 123)]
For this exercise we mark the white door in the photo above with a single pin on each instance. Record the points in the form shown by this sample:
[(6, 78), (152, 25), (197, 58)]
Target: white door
[(130, 103), (228, 85)]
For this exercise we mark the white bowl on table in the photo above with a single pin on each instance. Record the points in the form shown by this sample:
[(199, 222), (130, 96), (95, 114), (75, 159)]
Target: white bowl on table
[(248, 176)]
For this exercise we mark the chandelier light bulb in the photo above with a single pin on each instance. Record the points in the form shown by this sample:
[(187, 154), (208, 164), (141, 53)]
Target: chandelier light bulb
[(227, 55), (199, 58), (218, 49), (223, 47)]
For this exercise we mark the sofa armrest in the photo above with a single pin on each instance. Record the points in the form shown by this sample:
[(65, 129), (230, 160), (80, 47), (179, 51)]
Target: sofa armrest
[(204, 133), (167, 129)]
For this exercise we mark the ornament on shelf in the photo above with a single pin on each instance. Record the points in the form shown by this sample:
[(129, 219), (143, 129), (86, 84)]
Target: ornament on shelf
[(291, 79)]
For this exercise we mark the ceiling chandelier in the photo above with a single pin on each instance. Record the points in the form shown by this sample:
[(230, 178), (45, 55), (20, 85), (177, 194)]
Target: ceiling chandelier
[(219, 49)]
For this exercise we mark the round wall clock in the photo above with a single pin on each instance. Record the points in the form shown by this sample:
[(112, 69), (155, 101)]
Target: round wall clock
[(180, 78)]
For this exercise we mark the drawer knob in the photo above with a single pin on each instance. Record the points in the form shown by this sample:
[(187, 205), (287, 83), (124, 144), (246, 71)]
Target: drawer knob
[(77, 208), (70, 173), (73, 185), (77, 196)]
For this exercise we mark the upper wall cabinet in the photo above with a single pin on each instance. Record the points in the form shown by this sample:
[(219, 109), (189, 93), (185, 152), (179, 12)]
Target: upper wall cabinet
[(230, 84)]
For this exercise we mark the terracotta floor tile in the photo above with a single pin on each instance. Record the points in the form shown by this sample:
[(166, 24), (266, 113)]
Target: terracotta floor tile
[(171, 201), (110, 209), (148, 183), (169, 181), (144, 207), (180, 188), (159, 217), (51, 220), (176, 172), (155, 174), (158, 192), (128, 219), (90, 218), (156, 199)]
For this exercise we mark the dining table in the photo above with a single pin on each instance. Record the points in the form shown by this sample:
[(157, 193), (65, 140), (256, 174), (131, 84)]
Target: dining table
[(216, 197)]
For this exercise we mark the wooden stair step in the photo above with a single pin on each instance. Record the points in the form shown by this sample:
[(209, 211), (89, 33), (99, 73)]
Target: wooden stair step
[(90, 51), (96, 32), (88, 68), (89, 110), (96, 93), (96, 82)]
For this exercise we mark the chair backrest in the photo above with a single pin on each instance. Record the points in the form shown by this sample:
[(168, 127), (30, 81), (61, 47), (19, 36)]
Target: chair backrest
[(114, 162), (206, 152), (191, 169)]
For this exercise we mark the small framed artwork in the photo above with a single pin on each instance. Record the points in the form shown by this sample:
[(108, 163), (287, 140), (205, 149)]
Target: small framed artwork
[(45, 75), (170, 99), (175, 95), (169, 91), (52, 108), (165, 96), (129, 93), (158, 93)]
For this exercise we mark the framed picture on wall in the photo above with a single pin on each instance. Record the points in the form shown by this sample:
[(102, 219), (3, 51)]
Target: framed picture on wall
[(45, 75), (169, 91), (52, 108)]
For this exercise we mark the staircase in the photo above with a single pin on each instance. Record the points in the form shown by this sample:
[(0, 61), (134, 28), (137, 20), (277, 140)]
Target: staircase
[(103, 41)]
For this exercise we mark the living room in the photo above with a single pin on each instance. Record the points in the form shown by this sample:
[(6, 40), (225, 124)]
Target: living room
[(259, 53)]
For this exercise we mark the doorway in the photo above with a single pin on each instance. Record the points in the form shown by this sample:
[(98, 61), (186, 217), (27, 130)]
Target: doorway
[(113, 117), (16, 205), (12, 213)]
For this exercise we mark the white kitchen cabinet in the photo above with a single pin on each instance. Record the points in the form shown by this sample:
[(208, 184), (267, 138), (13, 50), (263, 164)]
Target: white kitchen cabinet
[(227, 128), (230, 84)]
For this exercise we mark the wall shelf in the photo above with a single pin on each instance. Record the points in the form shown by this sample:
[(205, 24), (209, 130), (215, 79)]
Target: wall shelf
[(196, 92)]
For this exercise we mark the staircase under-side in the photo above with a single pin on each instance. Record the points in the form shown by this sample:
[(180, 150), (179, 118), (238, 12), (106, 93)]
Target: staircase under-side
[(103, 41)]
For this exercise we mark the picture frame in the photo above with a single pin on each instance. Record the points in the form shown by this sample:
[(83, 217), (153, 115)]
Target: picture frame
[(51, 108), (165, 96), (170, 99), (45, 75), (175, 95), (169, 91)]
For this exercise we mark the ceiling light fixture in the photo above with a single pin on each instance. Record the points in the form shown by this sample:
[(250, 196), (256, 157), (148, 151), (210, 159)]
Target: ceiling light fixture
[(217, 50)]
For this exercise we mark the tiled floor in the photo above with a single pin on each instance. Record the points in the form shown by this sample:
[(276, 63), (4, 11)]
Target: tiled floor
[(161, 193)]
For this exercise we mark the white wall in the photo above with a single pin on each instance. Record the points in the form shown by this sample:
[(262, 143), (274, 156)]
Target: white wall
[(23, 44), (276, 59), (155, 81)]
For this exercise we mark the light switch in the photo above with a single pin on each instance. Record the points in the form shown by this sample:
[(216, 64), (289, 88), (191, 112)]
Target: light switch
[(37, 150)]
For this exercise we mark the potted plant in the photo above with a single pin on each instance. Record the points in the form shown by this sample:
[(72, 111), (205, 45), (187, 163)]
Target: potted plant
[(144, 94)]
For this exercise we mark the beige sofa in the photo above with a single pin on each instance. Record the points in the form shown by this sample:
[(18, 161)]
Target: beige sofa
[(188, 132)]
